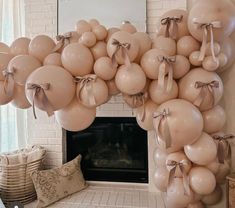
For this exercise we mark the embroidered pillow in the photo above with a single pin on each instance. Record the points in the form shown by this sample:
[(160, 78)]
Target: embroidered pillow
[(57, 183)]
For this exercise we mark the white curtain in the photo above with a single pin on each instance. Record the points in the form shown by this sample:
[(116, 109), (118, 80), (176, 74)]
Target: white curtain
[(12, 121)]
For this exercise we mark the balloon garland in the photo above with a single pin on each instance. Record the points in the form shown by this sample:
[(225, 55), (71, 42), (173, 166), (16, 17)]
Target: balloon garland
[(171, 81)]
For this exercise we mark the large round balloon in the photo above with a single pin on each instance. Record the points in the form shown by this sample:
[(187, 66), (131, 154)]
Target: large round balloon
[(214, 119), (202, 180), (59, 91), (75, 116), (122, 41), (168, 45), (203, 151), (214, 197), (186, 45), (53, 59), (160, 178), (159, 157), (202, 88), (19, 98), (4, 98), (183, 121), (212, 12), (4, 60), (144, 115), (4, 48), (99, 50), (41, 46), (130, 79), (20, 46), (77, 59), (23, 66)]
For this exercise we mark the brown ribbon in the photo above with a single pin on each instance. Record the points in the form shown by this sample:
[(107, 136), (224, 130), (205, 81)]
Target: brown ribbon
[(62, 41), (181, 165), (86, 83), (40, 97), (140, 98), (123, 47), (160, 122), (206, 89), (171, 26), (9, 81), (224, 147), (207, 27), (165, 62)]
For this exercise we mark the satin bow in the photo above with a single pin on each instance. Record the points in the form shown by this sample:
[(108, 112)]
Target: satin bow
[(62, 41), (140, 98)]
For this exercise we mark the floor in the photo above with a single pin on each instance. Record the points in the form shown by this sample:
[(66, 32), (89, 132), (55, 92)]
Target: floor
[(97, 196)]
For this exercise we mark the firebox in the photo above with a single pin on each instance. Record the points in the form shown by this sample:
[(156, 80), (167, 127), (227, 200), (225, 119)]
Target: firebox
[(112, 148)]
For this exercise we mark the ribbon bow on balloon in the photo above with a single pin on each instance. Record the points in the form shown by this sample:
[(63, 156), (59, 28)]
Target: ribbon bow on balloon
[(139, 100), (171, 26), (123, 47), (63, 40), (207, 27), (181, 165), (207, 89), (160, 124), (224, 147), (165, 61), (40, 98), (9, 81), (86, 83)]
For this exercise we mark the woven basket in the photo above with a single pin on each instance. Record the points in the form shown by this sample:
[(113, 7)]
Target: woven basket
[(15, 180)]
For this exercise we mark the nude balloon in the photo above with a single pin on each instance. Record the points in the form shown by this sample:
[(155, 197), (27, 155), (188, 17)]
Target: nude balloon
[(201, 180), (82, 26), (223, 172), (213, 166), (99, 50), (112, 87), (188, 91), (111, 31), (194, 58), (53, 59), (159, 157), (216, 48), (168, 45), (75, 116), (130, 79), (4, 98), (213, 198), (123, 37), (160, 178), (186, 45), (181, 66), (4, 48), (20, 46), (62, 86), (100, 32), (144, 115), (159, 95), (93, 22), (210, 64), (203, 151), (77, 59), (41, 46), (214, 119), (223, 60), (19, 98), (4, 60), (196, 205), (128, 27), (184, 121), (88, 39)]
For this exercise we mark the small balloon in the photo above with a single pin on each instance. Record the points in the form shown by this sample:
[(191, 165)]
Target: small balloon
[(168, 45), (53, 59), (128, 27), (20, 46), (88, 39), (99, 50), (100, 32), (186, 45)]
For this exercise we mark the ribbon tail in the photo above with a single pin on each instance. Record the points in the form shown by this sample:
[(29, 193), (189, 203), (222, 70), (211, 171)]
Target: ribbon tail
[(126, 57), (9, 84), (170, 79), (34, 110), (90, 95), (113, 58), (167, 32), (171, 176), (212, 44), (143, 115), (161, 76), (58, 46), (185, 181), (203, 47), (173, 30), (156, 124), (201, 96), (166, 133), (47, 105)]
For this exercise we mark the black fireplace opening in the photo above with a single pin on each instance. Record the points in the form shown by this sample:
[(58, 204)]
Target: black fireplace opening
[(112, 148)]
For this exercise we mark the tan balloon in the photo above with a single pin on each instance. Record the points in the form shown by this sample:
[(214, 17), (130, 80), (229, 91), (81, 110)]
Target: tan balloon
[(128, 27), (145, 44), (223, 172), (159, 157), (188, 91), (168, 45), (130, 79), (210, 64), (19, 98), (223, 60), (24, 65), (196, 205), (150, 63), (216, 49), (53, 59), (99, 91), (104, 69), (194, 58), (213, 198), (4, 48), (213, 166), (77, 59), (184, 120), (82, 26), (111, 31), (88, 39), (123, 37), (93, 23), (148, 109), (75, 116), (214, 119), (41, 46), (99, 50), (181, 66), (182, 25), (201, 180), (209, 11), (20, 46), (4, 98), (203, 151), (160, 178), (113, 90), (100, 32), (159, 95), (4, 60), (179, 157), (186, 45), (62, 86), (176, 197)]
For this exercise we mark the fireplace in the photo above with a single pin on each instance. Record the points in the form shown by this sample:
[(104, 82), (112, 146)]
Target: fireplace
[(113, 149)]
